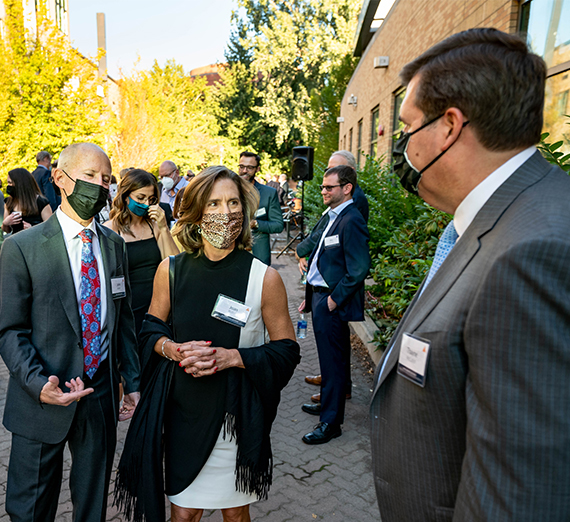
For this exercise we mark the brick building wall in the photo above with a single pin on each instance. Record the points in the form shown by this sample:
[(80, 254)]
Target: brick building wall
[(411, 27)]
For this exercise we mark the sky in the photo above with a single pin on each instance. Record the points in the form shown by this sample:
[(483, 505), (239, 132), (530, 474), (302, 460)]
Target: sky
[(192, 32)]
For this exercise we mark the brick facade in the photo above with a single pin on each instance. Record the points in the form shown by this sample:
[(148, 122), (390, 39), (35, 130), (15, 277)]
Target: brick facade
[(411, 27)]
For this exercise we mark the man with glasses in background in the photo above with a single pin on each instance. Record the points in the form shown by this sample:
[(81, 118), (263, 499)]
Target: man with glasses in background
[(335, 295), (171, 181), (268, 217)]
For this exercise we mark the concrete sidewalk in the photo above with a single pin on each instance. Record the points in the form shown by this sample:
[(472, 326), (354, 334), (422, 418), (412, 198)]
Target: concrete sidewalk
[(330, 482)]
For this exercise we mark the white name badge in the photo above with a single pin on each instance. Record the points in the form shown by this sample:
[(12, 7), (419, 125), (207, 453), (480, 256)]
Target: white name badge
[(231, 311), (331, 241), (118, 288), (260, 212), (414, 355)]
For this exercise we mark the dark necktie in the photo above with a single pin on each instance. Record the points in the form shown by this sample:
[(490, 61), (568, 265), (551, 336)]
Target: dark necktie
[(90, 305)]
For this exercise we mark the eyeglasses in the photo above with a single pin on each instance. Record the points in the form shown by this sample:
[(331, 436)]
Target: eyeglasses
[(170, 173), (329, 188), (249, 168)]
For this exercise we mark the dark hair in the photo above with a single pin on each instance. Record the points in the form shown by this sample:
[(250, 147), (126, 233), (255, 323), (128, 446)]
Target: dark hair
[(248, 154), (345, 175), (135, 179), (26, 192), (194, 200), (492, 77), (42, 155)]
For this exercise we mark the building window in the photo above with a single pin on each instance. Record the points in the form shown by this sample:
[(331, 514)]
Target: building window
[(359, 144), (350, 140), (397, 124), (374, 131), (547, 34)]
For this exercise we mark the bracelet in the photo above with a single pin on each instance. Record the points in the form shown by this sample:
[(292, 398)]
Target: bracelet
[(163, 354)]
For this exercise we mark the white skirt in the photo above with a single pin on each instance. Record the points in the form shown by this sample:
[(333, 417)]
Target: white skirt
[(215, 485)]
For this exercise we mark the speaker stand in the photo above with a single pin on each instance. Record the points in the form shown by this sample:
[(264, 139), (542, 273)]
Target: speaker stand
[(301, 234)]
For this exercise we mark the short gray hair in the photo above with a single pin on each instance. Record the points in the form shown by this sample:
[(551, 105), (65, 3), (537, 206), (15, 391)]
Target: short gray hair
[(42, 155), (348, 156)]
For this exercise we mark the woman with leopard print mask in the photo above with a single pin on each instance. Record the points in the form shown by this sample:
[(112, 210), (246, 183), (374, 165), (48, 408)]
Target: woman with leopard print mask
[(218, 348)]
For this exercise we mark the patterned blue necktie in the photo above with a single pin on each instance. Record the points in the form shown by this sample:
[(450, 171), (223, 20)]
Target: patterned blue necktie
[(444, 246)]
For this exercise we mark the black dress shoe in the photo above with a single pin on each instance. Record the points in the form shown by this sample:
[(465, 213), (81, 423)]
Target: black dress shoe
[(322, 434), (313, 409)]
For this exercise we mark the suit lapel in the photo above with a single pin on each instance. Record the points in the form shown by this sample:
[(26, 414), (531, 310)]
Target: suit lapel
[(331, 231), (532, 171), (57, 259), (109, 254)]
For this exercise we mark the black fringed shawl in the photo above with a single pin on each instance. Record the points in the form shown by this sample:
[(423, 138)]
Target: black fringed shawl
[(253, 396)]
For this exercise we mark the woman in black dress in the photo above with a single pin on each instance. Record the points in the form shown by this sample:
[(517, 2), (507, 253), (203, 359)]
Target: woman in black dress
[(25, 205), (215, 370), (139, 220)]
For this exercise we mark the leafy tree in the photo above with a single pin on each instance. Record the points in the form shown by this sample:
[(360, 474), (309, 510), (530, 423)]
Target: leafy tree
[(166, 114), (48, 92), (288, 65)]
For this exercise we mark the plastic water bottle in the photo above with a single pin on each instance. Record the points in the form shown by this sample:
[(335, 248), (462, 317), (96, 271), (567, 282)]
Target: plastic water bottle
[(302, 327), (304, 278)]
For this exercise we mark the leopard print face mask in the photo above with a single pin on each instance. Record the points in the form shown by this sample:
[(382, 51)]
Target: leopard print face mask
[(221, 229)]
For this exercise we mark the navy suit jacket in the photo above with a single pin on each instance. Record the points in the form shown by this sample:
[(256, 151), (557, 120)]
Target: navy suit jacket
[(42, 177), (269, 221), (344, 266), (305, 247)]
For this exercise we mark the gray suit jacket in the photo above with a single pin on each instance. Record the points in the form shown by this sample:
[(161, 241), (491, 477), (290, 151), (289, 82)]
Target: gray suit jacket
[(488, 438), (40, 326), (269, 221)]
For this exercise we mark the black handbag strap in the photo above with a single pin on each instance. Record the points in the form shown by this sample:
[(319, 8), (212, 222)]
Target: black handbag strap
[(171, 263)]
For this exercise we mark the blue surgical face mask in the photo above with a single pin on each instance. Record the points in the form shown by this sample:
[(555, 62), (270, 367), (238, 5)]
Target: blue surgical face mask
[(138, 209)]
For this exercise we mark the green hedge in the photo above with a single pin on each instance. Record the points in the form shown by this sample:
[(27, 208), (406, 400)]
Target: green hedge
[(404, 232)]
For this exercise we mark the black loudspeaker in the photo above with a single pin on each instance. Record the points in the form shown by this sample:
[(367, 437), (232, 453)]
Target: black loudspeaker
[(302, 163)]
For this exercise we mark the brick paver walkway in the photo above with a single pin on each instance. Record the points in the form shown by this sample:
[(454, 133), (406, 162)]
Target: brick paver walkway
[(330, 482)]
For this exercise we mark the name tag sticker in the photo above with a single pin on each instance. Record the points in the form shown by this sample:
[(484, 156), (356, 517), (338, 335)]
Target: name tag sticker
[(260, 212), (231, 311), (332, 241), (118, 288), (414, 355)]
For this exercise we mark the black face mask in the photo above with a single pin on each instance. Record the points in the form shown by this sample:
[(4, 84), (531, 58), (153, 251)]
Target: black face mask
[(410, 177), (87, 199), (10, 190)]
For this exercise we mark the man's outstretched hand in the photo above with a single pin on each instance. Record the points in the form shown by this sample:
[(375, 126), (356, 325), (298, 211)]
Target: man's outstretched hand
[(52, 394)]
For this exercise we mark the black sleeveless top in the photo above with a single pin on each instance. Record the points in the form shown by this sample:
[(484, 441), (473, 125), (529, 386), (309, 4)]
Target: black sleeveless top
[(196, 406), (144, 257)]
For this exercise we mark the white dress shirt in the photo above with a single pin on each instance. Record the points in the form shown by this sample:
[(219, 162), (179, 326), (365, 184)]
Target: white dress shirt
[(474, 201), (74, 245), (314, 277)]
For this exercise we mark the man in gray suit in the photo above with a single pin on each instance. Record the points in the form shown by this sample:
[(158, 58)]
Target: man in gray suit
[(66, 324), (268, 217), (471, 404)]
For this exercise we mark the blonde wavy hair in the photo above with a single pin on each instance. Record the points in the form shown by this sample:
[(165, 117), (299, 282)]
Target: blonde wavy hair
[(193, 204)]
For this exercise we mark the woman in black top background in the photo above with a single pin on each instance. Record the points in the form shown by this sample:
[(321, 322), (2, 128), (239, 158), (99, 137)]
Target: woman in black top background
[(25, 205), (139, 220)]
